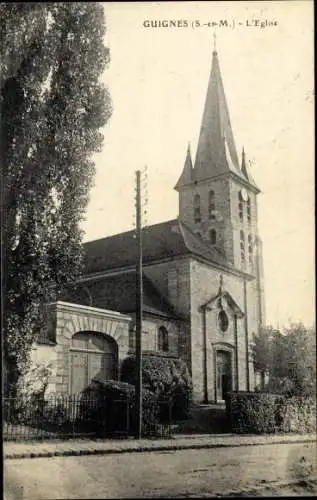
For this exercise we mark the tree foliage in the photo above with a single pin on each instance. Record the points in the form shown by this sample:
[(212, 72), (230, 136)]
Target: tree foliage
[(52, 107), (288, 357)]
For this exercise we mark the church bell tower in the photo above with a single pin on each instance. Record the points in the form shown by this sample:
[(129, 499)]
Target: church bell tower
[(217, 195)]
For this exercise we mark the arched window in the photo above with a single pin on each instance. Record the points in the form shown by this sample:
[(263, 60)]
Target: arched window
[(197, 216), (240, 207), (163, 339), (223, 321), (198, 234), (213, 236), (242, 246), (250, 249), (211, 205), (249, 210)]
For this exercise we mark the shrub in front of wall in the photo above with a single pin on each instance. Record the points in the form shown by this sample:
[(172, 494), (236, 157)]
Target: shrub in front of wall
[(167, 377), (252, 413), (109, 408)]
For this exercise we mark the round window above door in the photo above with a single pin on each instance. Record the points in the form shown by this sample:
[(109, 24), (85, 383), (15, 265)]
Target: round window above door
[(223, 321)]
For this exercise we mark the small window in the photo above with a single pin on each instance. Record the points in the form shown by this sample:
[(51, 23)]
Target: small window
[(198, 234), (211, 205), (250, 249), (240, 207), (249, 210), (213, 236), (223, 321), (197, 215), (163, 339), (242, 246)]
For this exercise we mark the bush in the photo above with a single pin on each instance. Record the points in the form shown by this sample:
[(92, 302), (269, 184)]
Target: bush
[(263, 413), (299, 415), (110, 408), (168, 378), (252, 412)]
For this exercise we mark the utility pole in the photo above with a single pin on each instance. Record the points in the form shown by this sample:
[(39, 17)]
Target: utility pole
[(139, 307)]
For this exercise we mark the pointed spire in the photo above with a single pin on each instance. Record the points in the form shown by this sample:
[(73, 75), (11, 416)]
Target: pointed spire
[(211, 158), (187, 173), (215, 41), (243, 165), (246, 172)]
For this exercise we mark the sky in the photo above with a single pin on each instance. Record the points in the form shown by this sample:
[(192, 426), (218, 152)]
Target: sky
[(158, 79)]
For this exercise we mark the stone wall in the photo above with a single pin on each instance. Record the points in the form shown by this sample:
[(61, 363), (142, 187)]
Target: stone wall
[(73, 318), (179, 295), (150, 328), (204, 284)]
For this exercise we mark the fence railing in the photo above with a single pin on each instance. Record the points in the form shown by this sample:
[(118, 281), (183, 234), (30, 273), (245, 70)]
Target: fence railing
[(62, 416)]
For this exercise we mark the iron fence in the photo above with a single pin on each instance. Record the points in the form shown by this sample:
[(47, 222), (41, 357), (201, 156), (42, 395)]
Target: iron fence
[(62, 416)]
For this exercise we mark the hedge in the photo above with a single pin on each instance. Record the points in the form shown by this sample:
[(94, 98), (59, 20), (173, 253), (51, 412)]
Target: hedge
[(166, 377), (265, 413), (299, 415), (110, 407)]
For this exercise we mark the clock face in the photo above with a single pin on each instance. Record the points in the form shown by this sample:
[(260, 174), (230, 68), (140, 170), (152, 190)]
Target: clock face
[(244, 194)]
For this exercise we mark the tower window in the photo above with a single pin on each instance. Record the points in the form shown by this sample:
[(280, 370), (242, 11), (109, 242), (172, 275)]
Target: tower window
[(211, 205), (163, 339), (242, 246), (240, 207), (250, 249), (197, 215), (213, 236), (249, 210)]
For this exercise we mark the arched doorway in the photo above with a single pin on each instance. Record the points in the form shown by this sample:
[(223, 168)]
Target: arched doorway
[(92, 354), (223, 374)]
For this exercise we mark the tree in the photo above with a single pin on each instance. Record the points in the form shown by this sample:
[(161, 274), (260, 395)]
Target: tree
[(288, 357), (52, 108), (261, 352), (300, 358)]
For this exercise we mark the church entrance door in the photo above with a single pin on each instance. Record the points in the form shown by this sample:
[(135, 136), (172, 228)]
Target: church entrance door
[(223, 374)]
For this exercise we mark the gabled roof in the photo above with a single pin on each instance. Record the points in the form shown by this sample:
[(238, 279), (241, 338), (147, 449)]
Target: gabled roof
[(216, 301), (165, 240)]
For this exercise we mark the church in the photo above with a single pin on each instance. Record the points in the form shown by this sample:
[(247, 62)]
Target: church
[(202, 278)]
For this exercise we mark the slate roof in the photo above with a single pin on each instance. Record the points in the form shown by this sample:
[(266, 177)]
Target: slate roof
[(187, 173), (121, 296), (216, 151), (165, 240)]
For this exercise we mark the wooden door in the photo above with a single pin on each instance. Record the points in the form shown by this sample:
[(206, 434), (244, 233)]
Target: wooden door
[(223, 374), (79, 371), (91, 355)]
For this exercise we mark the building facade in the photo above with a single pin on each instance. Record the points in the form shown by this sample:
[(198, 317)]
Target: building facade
[(202, 278)]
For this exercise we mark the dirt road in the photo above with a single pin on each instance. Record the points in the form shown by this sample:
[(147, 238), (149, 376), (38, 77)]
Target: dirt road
[(186, 473)]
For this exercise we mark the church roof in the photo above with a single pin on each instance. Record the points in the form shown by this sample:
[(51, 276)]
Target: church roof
[(165, 240), (121, 296), (216, 151)]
